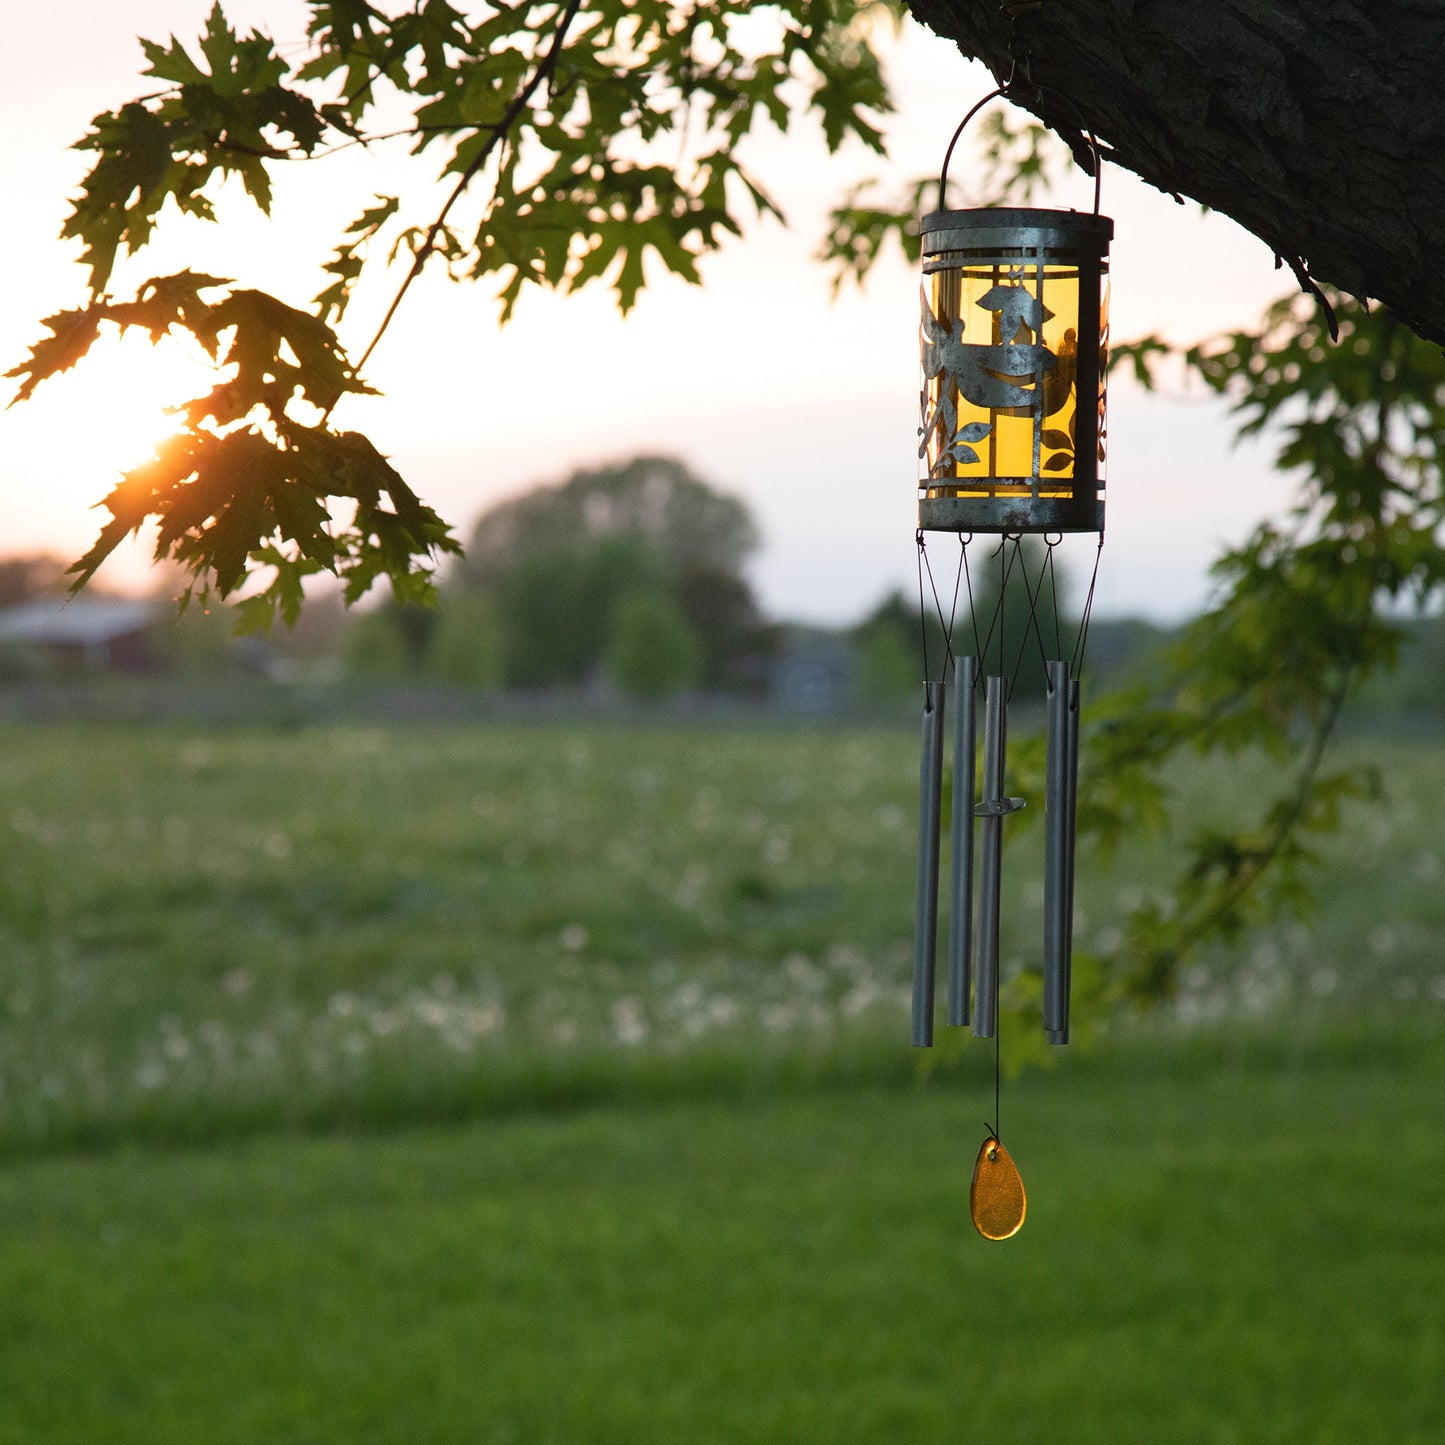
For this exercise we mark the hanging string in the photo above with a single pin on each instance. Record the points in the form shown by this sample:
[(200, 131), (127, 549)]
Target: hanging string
[(953, 607), (1004, 572), (1077, 664), (1054, 592), (945, 627), (1033, 622), (922, 616), (996, 621), (997, 1077), (972, 606)]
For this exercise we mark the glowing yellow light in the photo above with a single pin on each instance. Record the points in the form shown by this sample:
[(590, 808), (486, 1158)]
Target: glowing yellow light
[(64, 449), (118, 399)]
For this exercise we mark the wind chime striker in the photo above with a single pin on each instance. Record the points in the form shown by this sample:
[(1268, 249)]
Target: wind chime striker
[(1013, 339)]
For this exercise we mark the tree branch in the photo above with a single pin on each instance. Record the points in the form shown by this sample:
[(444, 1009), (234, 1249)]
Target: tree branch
[(499, 132)]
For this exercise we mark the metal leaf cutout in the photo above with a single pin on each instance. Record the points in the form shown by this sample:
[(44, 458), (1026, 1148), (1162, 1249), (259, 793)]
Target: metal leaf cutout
[(996, 1197)]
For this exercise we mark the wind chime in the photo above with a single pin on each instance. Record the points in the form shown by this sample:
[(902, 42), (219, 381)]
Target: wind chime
[(1014, 330)]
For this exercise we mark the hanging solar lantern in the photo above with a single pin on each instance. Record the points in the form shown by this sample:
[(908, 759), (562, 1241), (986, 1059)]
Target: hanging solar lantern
[(1013, 337), (1013, 329)]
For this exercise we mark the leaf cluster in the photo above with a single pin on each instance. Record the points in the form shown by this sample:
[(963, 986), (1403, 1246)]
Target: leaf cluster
[(252, 481), (1305, 609)]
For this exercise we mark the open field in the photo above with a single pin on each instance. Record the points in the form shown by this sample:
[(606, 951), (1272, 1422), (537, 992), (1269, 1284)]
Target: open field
[(548, 1084), (1229, 1239), (210, 928)]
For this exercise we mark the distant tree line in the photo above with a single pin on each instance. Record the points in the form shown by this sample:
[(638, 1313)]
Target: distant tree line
[(630, 578), (626, 577)]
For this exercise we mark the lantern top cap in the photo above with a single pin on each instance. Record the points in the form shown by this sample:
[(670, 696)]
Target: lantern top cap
[(993, 218)]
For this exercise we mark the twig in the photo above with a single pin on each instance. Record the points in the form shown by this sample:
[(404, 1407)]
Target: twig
[(498, 133)]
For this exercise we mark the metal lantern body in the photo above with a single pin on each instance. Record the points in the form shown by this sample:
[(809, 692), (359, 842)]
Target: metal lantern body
[(1013, 340)]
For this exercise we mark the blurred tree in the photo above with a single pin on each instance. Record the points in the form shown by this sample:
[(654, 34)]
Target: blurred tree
[(652, 652), (389, 643), (655, 499), (559, 559), (722, 612), (890, 642), (556, 606), (467, 647)]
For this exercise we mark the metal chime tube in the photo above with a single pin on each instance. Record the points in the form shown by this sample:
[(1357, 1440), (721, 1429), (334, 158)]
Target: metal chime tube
[(960, 918), (1056, 857), (1070, 828), (985, 1003), (925, 928)]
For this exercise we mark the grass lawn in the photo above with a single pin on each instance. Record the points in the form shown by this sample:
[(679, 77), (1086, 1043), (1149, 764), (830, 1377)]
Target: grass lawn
[(1229, 1240)]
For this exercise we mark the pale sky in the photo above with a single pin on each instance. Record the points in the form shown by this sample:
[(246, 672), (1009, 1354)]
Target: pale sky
[(801, 405)]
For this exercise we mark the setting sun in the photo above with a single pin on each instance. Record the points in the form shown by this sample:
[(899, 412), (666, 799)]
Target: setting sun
[(70, 443)]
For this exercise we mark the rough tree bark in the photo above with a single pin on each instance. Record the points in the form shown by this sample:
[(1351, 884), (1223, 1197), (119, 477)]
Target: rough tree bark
[(1318, 125)]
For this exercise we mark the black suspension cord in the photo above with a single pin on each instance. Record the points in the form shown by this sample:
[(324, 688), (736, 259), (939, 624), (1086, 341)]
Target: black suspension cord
[(947, 627), (922, 617), (953, 608), (997, 619), (1054, 592), (1033, 622), (1077, 664), (972, 606)]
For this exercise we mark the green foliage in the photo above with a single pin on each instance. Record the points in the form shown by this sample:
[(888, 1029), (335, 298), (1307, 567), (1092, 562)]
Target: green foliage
[(654, 499), (1305, 610), (198, 641), (589, 143), (719, 607), (389, 643), (890, 642), (652, 652), (557, 607), (558, 560), (466, 647), (251, 481)]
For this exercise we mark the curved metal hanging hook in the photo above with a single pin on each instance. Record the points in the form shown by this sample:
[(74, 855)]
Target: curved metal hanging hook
[(1087, 131), (1003, 90), (948, 154)]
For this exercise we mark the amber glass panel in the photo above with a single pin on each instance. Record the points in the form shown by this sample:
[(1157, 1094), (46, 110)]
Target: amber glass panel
[(997, 338), (996, 1197)]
